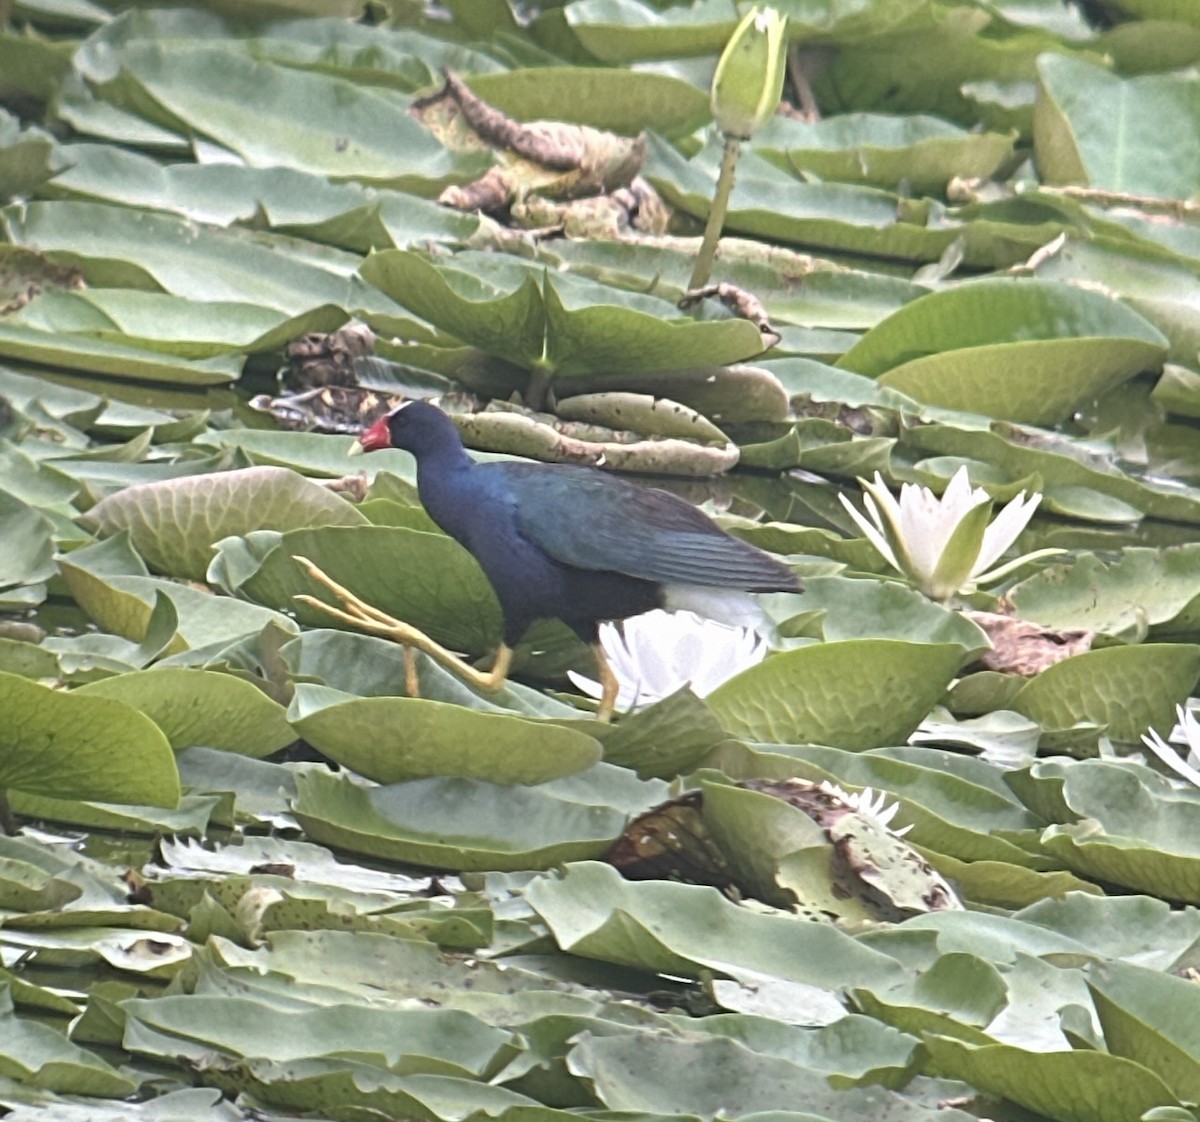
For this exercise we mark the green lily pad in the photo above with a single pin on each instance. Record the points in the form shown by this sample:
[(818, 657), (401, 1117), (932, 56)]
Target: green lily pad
[(1094, 128), (1125, 598), (1019, 350), (1080, 1086), (247, 105), (408, 1041), (1120, 822), (41, 1056), (175, 524), (158, 321), (455, 824), (391, 739), (685, 929), (563, 325), (883, 151), (620, 101), (93, 355), (856, 693), (202, 707), (110, 582), (1150, 1017), (72, 746), (1126, 690), (425, 579)]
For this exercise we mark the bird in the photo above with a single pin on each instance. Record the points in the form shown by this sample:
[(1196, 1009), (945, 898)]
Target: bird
[(564, 541)]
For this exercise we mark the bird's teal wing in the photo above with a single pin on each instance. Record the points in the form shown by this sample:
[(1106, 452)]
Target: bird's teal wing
[(601, 523)]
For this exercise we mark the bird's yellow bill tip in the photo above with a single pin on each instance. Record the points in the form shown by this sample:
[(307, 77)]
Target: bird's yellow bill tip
[(356, 449)]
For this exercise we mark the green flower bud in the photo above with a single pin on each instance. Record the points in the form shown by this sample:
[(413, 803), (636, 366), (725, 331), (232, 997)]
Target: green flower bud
[(749, 79)]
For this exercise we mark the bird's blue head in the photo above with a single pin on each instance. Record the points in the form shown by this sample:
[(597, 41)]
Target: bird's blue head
[(414, 426)]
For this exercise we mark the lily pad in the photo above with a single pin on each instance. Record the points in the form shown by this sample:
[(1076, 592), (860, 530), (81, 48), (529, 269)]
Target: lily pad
[(455, 823), (856, 693), (1123, 689), (1095, 128), (72, 746), (391, 739), (1019, 350), (201, 707), (175, 524)]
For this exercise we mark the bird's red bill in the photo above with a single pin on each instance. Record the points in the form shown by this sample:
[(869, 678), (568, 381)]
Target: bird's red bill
[(376, 437)]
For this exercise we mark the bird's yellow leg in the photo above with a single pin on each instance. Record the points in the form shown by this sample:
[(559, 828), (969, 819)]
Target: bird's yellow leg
[(358, 613), (609, 686)]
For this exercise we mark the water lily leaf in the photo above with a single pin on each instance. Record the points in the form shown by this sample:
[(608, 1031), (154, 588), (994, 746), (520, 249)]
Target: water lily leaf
[(40, 1056), (391, 739), (367, 666), (174, 524), (900, 73), (289, 201), (247, 105), (1135, 929), (882, 151), (304, 1084), (425, 579), (958, 994), (623, 30), (194, 1104), (1024, 351), (621, 101), (589, 330), (685, 929), (1001, 884), (499, 310), (318, 455), (202, 707), (858, 609), (1094, 128), (100, 356), (122, 247), (1024, 453), (770, 204), (174, 325), (407, 1041), (27, 549), (1142, 589), (1150, 1017), (1165, 291), (455, 823), (1178, 391), (564, 325), (28, 157), (1121, 823), (626, 1073), (1080, 1086), (190, 818), (73, 746), (664, 739), (948, 813), (777, 853), (856, 693), (112, 585), (1123, 689)]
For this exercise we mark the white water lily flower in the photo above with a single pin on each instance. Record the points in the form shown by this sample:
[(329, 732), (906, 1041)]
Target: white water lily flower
[(869, 804), (1188, 732), (655, 654), (944, 546)]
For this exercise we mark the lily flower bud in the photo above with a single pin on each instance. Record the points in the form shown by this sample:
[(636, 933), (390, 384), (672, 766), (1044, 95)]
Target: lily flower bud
[(749, 80)]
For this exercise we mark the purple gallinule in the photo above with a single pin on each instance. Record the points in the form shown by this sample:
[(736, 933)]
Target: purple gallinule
[(562, 541)]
